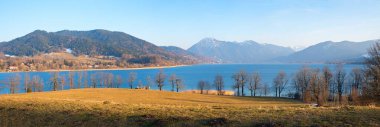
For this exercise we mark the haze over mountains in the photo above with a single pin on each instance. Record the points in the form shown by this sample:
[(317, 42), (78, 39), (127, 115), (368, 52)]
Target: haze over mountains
[(344, 51), (238, 52), (253, 52), (119, 44)]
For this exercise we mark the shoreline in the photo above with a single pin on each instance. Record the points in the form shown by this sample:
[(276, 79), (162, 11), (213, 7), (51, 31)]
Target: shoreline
[(111, 69)]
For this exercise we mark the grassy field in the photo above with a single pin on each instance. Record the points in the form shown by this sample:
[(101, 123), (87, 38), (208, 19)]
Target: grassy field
[(124, 107)]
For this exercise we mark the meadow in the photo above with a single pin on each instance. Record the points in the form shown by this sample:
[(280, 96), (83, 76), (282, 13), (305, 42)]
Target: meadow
[(125, 107)]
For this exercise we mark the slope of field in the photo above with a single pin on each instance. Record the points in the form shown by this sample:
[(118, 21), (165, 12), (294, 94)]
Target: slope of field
[(124, 107)]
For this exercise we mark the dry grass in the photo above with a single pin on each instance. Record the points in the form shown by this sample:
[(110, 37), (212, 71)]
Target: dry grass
[(210, 92), (124, 107)]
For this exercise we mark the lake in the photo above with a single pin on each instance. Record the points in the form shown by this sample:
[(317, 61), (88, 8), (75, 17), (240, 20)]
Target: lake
[(189, 74)]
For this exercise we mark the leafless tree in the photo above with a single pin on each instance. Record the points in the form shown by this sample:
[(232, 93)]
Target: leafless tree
[(85, 79), (94, 80), (327, 77), (301, 83), (243, 79), (357, 78), (172, 80), (236, 85), (280, 83), (131, 78), (240, 79), (160, 79), (179, 84), (265, 89), (372, 72), (54, 80), (80, 79), (109, 82), (203, 86), (27, 82), (339, 79), (119, 81), (37, 84), (14, 83), (62, 79), (254, 83), (71, 79), (219, 84), (317, 86), (149, 82)]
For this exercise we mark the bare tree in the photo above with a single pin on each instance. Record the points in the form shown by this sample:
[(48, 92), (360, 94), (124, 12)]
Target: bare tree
[(79, 80), (37, 84), (203, 86), (317, 85), (172, 80), (207, 87), (27, 83), (160, 79), (149, 82), (356, 77), (179, 84), (85, 79), (131, 78), (119, 81), (94, 80), (301, 83), (219, 84), (254, 83), (62, 81), (243, 79), (71, 79), (240, 79), (54, 80), (235, 77), (372, 72), (339, 78), (327, 77), (109, 80), (14, 83), (280, 83), (265, 89)]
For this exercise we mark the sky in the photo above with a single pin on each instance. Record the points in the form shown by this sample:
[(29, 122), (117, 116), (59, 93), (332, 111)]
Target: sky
[(183, 23)]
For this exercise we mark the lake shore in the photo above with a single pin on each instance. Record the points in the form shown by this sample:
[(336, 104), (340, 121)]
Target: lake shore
[(137, 68)]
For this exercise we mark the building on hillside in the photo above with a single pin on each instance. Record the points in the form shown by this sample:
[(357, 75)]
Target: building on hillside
[(12, 68)]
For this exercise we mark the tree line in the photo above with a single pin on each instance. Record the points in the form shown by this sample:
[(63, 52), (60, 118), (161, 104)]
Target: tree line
[(82, 79)]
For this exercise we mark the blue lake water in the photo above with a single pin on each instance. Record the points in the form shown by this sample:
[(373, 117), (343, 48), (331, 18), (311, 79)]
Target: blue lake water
[(189, 74)]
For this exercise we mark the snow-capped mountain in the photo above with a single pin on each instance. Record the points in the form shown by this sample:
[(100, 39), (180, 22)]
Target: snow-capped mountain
[(238, 52)]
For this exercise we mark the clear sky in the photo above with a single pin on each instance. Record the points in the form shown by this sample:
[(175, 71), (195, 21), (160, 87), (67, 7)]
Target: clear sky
[(184, 22)]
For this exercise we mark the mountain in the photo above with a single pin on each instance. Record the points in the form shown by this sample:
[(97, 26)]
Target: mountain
[(92, 43), (186, 54), (344, 51), (178, 51), (238, 52)]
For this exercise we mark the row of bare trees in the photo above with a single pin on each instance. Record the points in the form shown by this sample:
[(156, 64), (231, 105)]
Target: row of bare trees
[(253, 82), (81, 79), (313, 85)]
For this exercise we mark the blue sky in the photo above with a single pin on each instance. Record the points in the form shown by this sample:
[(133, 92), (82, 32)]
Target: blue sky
[(184, 22)]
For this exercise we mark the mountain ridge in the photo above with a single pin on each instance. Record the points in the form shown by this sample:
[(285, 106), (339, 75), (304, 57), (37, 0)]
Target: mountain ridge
[(329, 51), (92, 43), (238, 52)]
